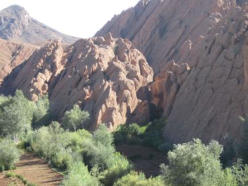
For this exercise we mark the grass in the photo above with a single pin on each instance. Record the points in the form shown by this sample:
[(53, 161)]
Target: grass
[(11, 174)]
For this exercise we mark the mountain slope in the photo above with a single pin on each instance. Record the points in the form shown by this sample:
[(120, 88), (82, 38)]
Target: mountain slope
[(11, 55), (166, 30), (17, 25), (198, 50), (102, 75)]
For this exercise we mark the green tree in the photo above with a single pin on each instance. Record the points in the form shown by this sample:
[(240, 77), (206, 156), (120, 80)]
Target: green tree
[(41, 112), (9, 155), (194, 164), (16, 115), (75, 118)]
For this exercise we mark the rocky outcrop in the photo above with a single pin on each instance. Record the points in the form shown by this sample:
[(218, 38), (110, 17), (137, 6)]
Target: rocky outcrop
[(214, 94), (17, 25), (11, 55), (166, 30), (102, 75), (166, 86), (204, 91)]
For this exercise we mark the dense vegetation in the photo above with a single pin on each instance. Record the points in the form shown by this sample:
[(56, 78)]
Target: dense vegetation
[(91, 158)]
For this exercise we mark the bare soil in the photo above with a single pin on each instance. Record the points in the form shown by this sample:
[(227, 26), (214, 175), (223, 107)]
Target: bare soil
[(35, 170), (145, 159)]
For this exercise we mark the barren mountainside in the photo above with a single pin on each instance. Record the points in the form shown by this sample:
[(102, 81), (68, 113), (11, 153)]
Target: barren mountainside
[(198, 52), (16, 24), (12, 55), (166, 30)]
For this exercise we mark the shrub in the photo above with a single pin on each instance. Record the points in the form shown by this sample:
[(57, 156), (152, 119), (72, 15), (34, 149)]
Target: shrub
[(98, 149), (194, 163), (75, 118), (148, 135), (41, 113), (9, 155), (62, 159), (120, 167), (240, 173), (16, 115), (79, 176), (130, 134), (138, 179)]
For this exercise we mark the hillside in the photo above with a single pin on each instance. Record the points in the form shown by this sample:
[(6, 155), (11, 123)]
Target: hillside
[(13, 54), (102, 74), (198, 52), (17, 25)]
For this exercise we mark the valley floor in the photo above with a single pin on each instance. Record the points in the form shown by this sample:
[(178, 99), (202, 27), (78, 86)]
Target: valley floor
[(145, 159), (34, 170)]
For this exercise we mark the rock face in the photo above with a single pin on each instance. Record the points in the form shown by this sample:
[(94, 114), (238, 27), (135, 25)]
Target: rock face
[(199, 51), (17, 25), (214, 94), (11, 55), (166, 30), (102, 75)]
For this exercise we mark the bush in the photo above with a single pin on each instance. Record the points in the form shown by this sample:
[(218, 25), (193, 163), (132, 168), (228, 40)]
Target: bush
[(75, 118), (16, 115), (41, 113), (148, 135), (79, 176), (139, 179), (9, 155), (194, 163), (98, 149), (129, 134), (240, 173), (120, 167)]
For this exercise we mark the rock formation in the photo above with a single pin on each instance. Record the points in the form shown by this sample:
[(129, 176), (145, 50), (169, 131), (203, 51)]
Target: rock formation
[(198, 49), (214, 94), (102, 75), (11, 55), (166, 30), (17, 25)]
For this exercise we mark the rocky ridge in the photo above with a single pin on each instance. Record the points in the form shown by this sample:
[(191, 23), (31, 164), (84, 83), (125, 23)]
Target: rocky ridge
[(17, 25), (166, 30), (102, 75), (12, 55)]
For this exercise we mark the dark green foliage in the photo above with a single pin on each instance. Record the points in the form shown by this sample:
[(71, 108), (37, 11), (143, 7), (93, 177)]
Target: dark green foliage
[(240, 173), (79, 175), (128, 134), (41, 113), (98, 149), (16, 115), (9, 155), (139, 179), (147, 135), (195, 164), (120, 167), (75, 118), (244, 144)]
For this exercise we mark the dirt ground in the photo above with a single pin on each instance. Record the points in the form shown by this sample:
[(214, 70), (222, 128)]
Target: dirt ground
[(145, 159), (33, 169)]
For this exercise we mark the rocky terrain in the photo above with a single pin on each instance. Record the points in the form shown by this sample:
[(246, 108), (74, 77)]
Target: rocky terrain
[(102, 74), (166, 30), (11, 55), (197, 49), (198, 52), (17, 25)]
